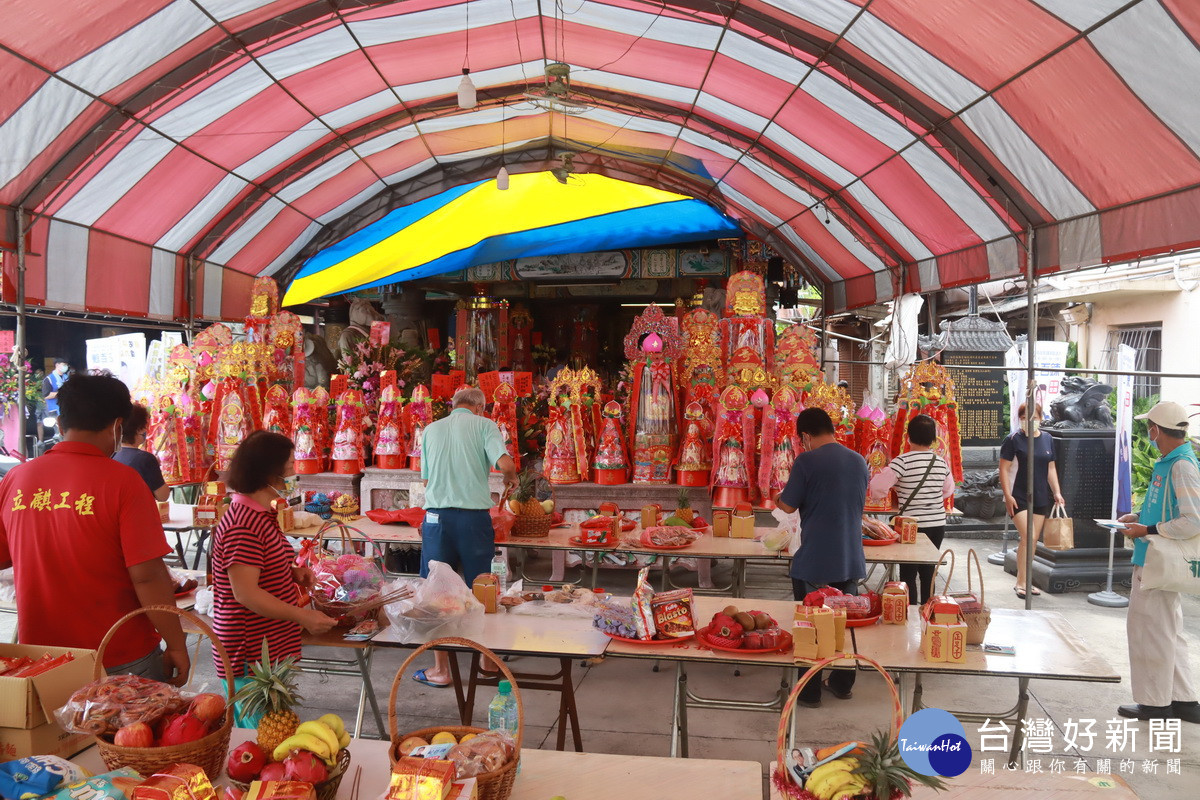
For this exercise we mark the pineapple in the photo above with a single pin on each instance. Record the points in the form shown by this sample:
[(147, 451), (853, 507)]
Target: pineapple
[(271, 691), (885, 771), (525, 496), (683, 506)]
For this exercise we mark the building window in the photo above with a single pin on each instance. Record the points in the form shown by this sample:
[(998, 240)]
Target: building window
[(1146, 341)]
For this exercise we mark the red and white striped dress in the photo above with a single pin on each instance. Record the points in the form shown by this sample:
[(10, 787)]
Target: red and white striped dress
[(249, 534)]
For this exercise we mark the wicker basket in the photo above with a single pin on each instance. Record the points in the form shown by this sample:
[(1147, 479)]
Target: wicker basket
[(782, 778), (976, 613), (347, 614), (207, 753), (495, 785), (326, 789), (528, 527)]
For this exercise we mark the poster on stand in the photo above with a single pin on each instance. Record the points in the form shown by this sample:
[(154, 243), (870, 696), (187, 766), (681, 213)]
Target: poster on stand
[(1123, 461), (1049, 360), (124, 356)]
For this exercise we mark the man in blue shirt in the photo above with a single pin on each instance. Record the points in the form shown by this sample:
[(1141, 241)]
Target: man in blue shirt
[(828, 486), (52, 383)]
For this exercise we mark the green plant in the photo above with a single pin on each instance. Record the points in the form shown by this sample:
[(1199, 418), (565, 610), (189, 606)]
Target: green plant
[(1143, 453)]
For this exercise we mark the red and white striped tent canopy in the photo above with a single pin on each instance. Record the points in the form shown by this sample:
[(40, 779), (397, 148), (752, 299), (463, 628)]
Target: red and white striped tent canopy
[(884, 146)]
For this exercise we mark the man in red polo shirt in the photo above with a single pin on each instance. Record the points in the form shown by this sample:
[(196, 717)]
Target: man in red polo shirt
[(83, 536)]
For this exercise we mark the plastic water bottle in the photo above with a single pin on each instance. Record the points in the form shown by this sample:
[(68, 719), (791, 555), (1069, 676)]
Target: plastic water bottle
[(500, 570), (502, 711)]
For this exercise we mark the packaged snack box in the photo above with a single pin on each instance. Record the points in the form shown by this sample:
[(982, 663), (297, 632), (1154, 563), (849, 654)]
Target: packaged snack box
[(742, 523), (721, 523), (487, 592), (934, 642), (419, 779), (804, 640), (650, 515), (907, 528), (895, 603), (956, 643)]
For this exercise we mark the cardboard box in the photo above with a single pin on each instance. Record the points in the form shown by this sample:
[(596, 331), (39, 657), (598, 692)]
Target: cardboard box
[(934, 642), (464, 789), (839, 630), (650, 515), (164, 511), (804, 640), (27, 703), (609, 509), (941, 609), (45, 740), (741, 526), (956, 644), (895, 603), (720, 523), (907, 528), (487, 591)]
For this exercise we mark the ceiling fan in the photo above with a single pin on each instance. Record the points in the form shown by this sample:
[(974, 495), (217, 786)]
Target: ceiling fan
[(556, 94)]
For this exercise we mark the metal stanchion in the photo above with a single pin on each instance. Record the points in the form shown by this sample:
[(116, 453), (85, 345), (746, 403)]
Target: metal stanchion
[(1108, 598)]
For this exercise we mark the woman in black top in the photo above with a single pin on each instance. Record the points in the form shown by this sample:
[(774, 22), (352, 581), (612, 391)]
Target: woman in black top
[(1016, 497), (133, 436)]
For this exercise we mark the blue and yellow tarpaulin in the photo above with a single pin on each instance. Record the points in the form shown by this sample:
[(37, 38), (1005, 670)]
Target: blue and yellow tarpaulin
[(479, 224)]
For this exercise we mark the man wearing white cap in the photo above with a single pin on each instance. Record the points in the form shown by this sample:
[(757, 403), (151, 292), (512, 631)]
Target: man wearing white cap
[(1160, 676)]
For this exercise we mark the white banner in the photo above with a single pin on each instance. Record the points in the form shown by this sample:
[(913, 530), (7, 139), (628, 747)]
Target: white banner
[(124, 356), (1123, 452), (1049, 360)]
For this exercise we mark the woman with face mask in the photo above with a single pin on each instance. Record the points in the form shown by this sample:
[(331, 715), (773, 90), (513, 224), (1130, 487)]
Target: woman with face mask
[(1028, 516), (256, 584)]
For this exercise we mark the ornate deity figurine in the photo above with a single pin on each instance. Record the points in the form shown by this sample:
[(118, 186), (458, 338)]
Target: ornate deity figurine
[(277, 416), (695, 454), (779, 444), (504, 414), (233, 425), (747, 336), (348, 433), (733, 449), (389, 452), (417, 416), (872, 432), (611, 464), (568, 446), (929, 389), (306, 432), (653, 345)]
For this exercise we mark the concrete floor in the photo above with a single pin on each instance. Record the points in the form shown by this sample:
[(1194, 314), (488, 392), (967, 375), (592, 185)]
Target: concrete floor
[(625, 707)]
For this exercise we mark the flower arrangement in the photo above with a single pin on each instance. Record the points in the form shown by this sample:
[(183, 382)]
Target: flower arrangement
[(364, 363), (10, 368)]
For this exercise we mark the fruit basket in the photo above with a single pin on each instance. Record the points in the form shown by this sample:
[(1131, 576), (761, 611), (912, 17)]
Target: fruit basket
[(494, 785), (208, 752), (718, 642), (326, 789), (361, 601), (533, 521)]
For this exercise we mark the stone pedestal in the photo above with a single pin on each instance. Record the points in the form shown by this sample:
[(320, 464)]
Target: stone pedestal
[(1076, 570), (394, 488), (331, 482), (403, 309), (630, 497)]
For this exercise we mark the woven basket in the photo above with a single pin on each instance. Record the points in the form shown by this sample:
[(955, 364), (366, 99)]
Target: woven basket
[(495, 785), (347, 614), (207, 753), (528, 527), (326, 789), (933, 592), (980, 617), (783, 779)]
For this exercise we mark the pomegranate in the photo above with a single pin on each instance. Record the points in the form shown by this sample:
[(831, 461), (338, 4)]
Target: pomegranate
[(304, 766), (245, 762), (139, 734), (232, 793), (208, 708), (182, 729), (275, 771)]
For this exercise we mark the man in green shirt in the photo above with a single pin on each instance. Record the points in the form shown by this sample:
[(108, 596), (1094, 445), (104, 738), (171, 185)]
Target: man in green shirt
[(457, 454)]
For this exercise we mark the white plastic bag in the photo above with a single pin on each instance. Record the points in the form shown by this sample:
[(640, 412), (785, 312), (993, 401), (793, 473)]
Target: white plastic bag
[(786, 535), (441, 605)]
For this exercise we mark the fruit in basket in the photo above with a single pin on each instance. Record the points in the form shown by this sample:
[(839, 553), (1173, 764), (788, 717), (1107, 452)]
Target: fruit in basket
[(338, 727), (208, 707), (836, 779), (245, 762), (183, 729), (139, 734), (304, 766), (884, 772), (762, 621), (683, 506), (526, 496), (411, 743), (303, 741), (547, 506), (443, 737), (325, 733), (271, 691), (273, 771), (745, 620)]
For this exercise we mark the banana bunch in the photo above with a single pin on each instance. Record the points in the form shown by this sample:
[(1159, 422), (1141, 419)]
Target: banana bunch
[(323, 737), (835, 780)]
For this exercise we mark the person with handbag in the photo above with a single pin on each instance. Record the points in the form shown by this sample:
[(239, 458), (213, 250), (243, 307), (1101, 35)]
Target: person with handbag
[(1028, 514), (1159, 672), (922, 482)]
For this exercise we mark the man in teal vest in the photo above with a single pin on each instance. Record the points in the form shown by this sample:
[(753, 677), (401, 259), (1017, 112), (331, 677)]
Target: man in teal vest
[(1159, 673)]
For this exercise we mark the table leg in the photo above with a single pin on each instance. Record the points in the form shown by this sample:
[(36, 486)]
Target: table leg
[(596, 556), (1016, 755), (201, 535), (456, 679), (704, 572), (679, 726), (907, 686), (739, 577), (567, 713), (466, 712), (364, 665), (558, 561)]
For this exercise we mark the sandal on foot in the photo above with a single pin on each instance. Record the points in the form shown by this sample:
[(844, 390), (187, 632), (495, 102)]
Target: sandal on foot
[(419, 677), (1019, 592)]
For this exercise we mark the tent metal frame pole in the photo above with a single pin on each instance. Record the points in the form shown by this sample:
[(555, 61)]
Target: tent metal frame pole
[(19, 350), (1031, 285), (191, 298), (824, 328)]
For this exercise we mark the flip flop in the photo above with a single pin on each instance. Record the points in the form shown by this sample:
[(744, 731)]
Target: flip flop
[(1036, 591), (1017, 590), (419, 677)]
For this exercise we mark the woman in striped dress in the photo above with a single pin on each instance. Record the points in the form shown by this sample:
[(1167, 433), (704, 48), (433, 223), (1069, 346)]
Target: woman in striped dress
[(256, 583), (922, 482)]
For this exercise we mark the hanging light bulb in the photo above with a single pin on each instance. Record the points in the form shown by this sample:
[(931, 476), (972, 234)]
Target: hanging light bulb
[(502, 179), (466, 91)]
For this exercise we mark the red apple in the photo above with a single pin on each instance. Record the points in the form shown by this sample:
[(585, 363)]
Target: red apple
[(275, 771), (139, 734), (182, 729), (208, 707), (245, 762), (304, 766)]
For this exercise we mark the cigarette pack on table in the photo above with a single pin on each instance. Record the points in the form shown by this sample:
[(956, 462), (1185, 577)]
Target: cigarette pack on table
[(895, 603), (956, 643), (487, 592), (804, 640), (907, 528), (720, 523), (935, 641), (420, 779), (650, 515), (741, 525)]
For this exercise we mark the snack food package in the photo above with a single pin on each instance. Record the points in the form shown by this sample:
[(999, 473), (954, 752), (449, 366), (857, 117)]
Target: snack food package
[(485, 753), (36, 776), (440, 605), (419, 779), (643, 614), (347, 578), (101, 707), (280, 790), (615, 618), (116, 785), (176, 782), (673, 617), (855, 606)]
